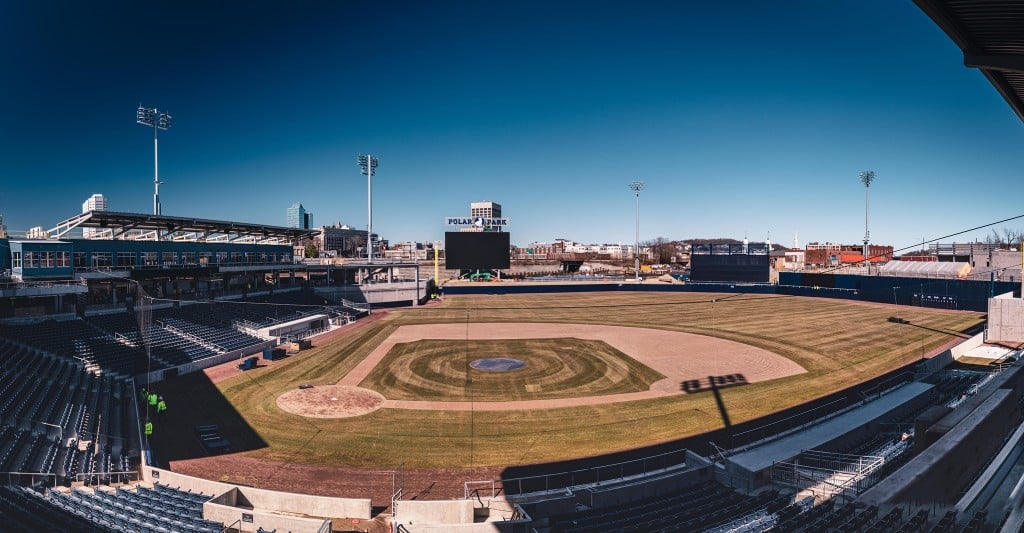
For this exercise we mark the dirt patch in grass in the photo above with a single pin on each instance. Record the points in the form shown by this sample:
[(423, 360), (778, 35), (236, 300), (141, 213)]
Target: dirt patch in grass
[(330, 401)]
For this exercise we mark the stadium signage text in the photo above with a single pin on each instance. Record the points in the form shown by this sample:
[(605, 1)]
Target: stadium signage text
[(475, 221)]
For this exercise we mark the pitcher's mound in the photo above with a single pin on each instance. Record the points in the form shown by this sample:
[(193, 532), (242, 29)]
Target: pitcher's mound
[(330, 401)]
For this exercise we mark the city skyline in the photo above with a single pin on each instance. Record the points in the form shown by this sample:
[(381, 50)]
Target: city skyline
[(743, 120)]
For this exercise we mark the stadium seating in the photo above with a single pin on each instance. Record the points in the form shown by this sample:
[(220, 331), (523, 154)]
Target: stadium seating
[(227, 339), (136, 510), (696, 508), (26, 510), (49, 404), (176, 335), (78, 340)]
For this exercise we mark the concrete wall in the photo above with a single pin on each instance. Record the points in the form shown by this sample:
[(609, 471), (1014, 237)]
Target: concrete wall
[(941, 360), (266, 502), (1005, 319), (379, 294), (699, 471), (448, 512), (482, 527), (251, 519), (461, 516)]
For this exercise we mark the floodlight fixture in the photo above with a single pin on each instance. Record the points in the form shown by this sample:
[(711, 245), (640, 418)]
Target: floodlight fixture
[(866, 178), (636, 187), (153, 118), (368, 167)]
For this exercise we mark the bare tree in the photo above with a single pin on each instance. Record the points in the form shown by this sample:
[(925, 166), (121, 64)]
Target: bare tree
[(1012, 236), (662, 250), (1007, 238), (994, 238)]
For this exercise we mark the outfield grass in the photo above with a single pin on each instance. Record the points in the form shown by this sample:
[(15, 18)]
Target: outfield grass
[(555, 368), (838, 342)]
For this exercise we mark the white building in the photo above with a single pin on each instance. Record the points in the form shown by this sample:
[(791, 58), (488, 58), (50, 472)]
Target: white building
[(96, 202), (485, 209), (37, 233)]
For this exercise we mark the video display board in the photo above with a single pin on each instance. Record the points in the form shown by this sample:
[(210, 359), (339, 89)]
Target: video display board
[(482, 250)]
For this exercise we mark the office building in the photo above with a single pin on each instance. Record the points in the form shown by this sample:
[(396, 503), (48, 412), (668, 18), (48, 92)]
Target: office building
[(298, 217)]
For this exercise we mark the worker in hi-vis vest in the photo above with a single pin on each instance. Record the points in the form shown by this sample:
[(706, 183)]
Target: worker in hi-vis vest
[(149, 428)]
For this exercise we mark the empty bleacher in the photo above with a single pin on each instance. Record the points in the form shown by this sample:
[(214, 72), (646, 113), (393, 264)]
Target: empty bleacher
[(114, 342), (79, 341), (49, 405), (26, 510), (226, 339), (141, 509), (696, 508)]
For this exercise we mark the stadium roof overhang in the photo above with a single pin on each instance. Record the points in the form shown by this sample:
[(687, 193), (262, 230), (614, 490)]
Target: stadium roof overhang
[(989, 32), (136, 226)]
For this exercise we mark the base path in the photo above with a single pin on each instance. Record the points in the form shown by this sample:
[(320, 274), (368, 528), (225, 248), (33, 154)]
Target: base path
[(678, 356)]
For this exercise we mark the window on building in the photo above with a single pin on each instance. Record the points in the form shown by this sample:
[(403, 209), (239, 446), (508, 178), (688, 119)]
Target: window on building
[(63, 259), (236, 257), (126, 259), (250, 257), (170, 258), (47, 259), (188, 258), (204, 258), (78, 258), (149, 259), (31, 259), (102, 259), (222, 257), (16, 260)]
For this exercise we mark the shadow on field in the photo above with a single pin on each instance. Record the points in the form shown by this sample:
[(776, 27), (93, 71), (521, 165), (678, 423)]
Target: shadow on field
[(962, 335), (194, 401)]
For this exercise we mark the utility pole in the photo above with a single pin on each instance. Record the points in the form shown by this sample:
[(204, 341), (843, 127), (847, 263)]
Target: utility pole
[(636, 187), (866, 178)]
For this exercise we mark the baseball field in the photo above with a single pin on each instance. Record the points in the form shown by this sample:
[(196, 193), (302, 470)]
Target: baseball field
[(598, 372)]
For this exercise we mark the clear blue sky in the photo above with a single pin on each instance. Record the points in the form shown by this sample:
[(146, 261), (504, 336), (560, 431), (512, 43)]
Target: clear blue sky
[(742, 118)]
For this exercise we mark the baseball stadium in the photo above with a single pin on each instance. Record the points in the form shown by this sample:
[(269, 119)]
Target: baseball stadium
[(164, 373)]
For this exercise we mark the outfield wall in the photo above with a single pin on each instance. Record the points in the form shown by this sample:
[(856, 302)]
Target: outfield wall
[(963, 295)]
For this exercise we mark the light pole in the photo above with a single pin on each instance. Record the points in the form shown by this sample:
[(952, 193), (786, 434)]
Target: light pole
[(636, 187), (368, 166), (152, 117), (866, 178)]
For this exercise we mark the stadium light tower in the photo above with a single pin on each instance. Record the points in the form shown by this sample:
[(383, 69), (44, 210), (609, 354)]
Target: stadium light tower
[(152, 117), (866, 178), (636, 187), (368, 164)]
